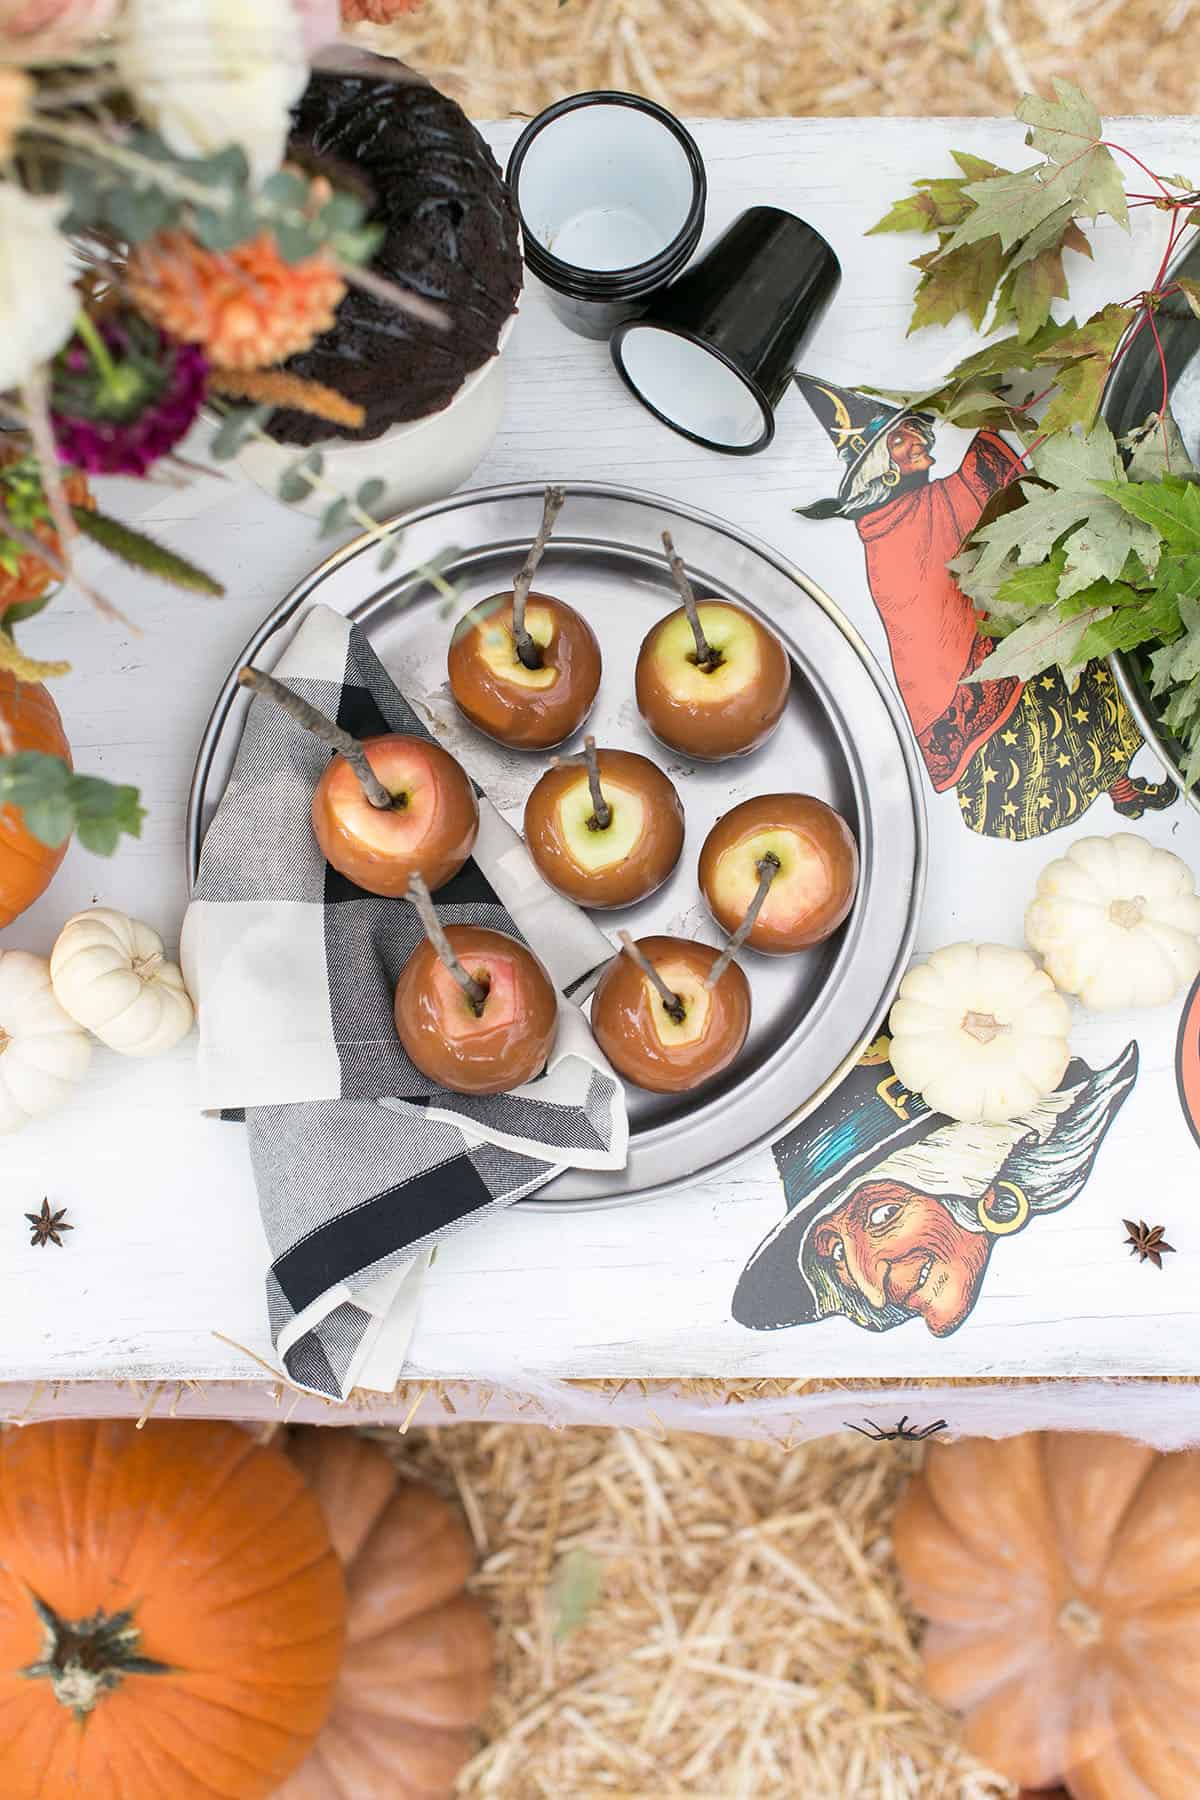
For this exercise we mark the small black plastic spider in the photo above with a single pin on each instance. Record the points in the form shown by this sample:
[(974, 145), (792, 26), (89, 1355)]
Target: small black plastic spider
[(910, 1434)]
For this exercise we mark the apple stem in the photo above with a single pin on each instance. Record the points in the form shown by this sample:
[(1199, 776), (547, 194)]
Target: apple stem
[(325, 729), (601, 817), (706, 656), (422, 899), (768, 868), (670, 1000), (529, 652)]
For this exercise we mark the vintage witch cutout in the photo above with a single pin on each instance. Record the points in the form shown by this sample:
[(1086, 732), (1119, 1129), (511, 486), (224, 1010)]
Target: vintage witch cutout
[(894, 1211), (1023, 757)]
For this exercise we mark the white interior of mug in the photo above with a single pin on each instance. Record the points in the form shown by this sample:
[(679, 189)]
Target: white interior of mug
[(605, 187), (690, 387)]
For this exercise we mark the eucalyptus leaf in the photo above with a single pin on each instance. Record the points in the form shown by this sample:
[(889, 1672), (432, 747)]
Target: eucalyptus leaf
[(54, 802), (575, 1588)]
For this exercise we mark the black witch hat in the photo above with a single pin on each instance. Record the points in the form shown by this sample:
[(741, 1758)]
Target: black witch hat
[(854, 423), (1033, 1164)]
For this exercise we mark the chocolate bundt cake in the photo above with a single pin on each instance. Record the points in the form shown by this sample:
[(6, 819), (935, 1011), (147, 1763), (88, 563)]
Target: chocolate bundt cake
[(451, 235)]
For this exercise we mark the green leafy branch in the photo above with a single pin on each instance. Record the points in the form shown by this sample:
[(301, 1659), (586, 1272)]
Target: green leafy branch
[(135, 185), (1096, 548), (54, 802), (1002, 235)]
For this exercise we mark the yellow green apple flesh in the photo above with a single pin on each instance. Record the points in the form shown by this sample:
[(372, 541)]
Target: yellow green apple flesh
[(720, 710), (663, 1049), (528, 709), (600, 865)]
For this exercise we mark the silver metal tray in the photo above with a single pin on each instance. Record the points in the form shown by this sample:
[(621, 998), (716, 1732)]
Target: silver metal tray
[(843, 738)]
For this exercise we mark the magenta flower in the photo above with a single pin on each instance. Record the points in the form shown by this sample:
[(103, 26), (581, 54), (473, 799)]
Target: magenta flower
[(123, 395)]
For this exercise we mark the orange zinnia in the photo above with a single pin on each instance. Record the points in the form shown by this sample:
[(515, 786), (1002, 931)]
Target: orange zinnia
[(246, 307)]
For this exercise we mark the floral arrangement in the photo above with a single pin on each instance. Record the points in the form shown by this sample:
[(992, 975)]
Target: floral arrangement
[(1097, 548), (158, 255)]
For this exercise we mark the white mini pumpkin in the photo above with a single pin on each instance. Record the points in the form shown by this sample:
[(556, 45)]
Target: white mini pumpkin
[(980, 1032), (1117, 922), (43, 1053), (111, 974)]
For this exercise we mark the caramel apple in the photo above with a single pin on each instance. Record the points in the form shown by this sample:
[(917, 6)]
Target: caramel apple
[(475, 1010), (780, 872), (605, 828), (711, 680), (524, 667), (386, 807), (670, 1014)]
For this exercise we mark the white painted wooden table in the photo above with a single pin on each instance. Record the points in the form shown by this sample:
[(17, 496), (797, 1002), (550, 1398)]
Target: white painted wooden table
[(168, 1250)]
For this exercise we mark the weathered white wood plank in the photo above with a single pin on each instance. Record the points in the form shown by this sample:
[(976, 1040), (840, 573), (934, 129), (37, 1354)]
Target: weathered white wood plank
[(168, 1249)]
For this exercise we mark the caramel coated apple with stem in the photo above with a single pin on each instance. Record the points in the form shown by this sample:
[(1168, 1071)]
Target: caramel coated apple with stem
[(604, 828), (813, 861), (475, 1010), (712, 680), (524, 667), (670, 1014), (386, 807)]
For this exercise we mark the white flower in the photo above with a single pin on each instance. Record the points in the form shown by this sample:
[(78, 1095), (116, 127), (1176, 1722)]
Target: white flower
[(38, 302), (208, 73)]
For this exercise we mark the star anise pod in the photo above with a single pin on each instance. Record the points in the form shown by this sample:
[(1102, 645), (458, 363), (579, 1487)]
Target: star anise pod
[(47, 1225), (1147, 1241)]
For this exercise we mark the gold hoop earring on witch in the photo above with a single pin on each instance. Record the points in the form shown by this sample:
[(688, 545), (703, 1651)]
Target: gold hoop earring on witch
[(1003, 1227), (891, 477)]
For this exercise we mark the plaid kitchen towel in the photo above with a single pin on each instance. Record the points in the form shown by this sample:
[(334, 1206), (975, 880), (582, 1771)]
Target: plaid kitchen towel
[(362, 1164)]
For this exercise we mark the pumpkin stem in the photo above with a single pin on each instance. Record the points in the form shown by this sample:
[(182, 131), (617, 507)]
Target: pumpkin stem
[(5, 1040), (83, 1659), (1128, 913), (983, 1027), (1081, 1624)]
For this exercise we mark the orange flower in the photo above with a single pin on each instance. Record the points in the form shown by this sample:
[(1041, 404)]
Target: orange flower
[(375, 12), (31, 577), (16, 91), (246, 307)]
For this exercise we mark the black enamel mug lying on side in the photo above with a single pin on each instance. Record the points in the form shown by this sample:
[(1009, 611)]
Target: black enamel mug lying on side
[(713, 355)]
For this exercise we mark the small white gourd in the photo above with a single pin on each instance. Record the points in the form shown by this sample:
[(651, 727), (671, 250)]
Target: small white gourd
[(110, 973), (980, 1032), (1117, 922), (43, 1053)]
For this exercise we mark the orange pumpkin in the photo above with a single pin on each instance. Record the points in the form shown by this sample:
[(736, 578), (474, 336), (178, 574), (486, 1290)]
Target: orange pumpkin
[(1061, 1576), (27, 867), (417, 1671), (171, 1614)]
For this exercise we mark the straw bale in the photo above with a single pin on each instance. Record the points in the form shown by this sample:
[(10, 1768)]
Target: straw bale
[(749, 1638), (743, 58)]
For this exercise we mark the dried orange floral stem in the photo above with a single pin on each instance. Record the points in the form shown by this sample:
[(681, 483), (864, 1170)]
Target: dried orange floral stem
[(274, 387)]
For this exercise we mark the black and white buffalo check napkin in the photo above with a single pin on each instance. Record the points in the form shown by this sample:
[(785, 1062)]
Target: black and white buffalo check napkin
[(363, 1165)]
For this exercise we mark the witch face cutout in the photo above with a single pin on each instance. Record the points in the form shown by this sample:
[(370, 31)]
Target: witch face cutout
[(1023, 758), (895, 1211)]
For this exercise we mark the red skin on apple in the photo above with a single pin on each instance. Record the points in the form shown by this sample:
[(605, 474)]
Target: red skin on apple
[(641, 1040), (431, 832), (490, 1051), (813, 891), (621, 863), (719, 712), (527, 709)]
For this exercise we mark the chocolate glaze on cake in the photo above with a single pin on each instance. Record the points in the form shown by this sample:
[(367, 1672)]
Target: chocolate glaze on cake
[(451, 235)]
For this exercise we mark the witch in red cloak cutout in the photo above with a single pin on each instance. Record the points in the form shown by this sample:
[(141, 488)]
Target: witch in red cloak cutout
[(1024, 757)]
